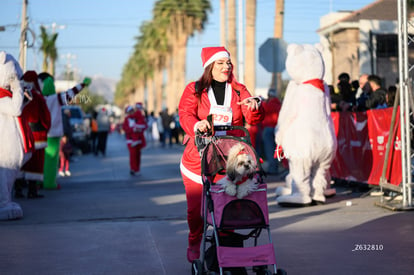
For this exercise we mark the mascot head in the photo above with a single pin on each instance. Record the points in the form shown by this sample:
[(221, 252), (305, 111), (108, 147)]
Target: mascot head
[(304, 62), (10, 70), (47, 84)]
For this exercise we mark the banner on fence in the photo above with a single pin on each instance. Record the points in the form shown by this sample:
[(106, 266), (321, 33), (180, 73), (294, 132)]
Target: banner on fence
[(362, 139)]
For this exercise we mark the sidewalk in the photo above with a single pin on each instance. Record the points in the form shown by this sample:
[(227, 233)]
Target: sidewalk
[(104, 221)]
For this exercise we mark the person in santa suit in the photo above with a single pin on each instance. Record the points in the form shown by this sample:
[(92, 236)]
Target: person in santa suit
[(38, 116), (134, 126), (218, 93), (55, 101)]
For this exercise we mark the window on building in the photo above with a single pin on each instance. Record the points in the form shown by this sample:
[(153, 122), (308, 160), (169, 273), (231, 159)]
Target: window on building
[(387, 45)]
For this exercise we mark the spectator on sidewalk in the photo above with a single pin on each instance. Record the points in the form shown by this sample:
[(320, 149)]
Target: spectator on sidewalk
[(65, 149), (390, 96), (377, 98), (104, 126), (363, 92), (271, 108), (166, 121), (94, 132)]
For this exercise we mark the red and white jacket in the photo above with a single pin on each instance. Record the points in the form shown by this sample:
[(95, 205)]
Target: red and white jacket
[(193, 109), (37, 115), (134, 126), (54, 103)]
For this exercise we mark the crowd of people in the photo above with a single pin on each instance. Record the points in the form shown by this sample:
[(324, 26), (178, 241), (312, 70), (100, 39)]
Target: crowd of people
[(368, 92)]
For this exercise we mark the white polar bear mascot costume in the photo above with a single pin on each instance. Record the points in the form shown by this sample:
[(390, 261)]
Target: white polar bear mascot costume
[(305, 129), (13, 139)]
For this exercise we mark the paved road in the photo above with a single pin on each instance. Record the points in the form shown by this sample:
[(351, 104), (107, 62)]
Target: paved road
[(103, 221)]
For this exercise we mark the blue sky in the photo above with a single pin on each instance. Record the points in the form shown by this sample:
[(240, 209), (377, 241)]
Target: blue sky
[(99, 35)]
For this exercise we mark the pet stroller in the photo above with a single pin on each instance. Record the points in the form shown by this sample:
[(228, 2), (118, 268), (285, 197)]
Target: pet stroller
[(229, 222)]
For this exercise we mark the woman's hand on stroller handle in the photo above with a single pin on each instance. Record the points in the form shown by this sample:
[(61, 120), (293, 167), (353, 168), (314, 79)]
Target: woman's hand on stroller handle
[(203, 126)]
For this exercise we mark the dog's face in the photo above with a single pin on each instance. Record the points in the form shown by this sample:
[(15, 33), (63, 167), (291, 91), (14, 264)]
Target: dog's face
[(239, 163)]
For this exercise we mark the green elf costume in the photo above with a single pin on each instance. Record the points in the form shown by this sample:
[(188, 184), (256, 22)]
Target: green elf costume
[(55, 101)]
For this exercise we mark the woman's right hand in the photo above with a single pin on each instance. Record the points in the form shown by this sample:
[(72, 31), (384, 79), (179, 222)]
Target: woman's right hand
[(203, 126)]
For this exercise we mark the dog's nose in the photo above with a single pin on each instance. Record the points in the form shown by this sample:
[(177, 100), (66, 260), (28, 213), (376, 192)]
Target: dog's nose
[(246, 166)]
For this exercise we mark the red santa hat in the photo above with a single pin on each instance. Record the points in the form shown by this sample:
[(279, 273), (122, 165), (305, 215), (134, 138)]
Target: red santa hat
[(211, 54), (139, 105), (31, 77)]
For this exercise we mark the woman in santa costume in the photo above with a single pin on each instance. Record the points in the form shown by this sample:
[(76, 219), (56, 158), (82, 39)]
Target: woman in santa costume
[(218, 93), (38, 116), (134, 126)]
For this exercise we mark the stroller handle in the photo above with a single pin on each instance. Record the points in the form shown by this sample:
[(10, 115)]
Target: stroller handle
[(234, 127)]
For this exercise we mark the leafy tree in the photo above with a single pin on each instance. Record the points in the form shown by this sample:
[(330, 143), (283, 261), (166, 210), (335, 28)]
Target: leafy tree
[(49, 50)]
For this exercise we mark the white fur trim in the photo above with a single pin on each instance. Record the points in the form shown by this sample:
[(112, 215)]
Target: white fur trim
[(192, 176), (216, 56)]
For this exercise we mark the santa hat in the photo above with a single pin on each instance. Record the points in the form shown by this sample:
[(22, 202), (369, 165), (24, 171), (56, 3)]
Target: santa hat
[(139, 105), (211, 54), (128, 109), (31, 77)]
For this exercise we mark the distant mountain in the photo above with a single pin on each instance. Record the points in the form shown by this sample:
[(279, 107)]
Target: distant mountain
[(103, 86), (100, 85)]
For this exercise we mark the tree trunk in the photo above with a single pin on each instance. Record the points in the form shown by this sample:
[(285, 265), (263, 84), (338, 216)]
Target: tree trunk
[(278, 33), (44, 64), (149, 104), (250, 56), (52, 67), (223, 29), (158, 90), (232, 38)]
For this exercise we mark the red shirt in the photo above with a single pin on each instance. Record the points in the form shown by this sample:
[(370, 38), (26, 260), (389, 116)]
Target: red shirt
[(272, 108)]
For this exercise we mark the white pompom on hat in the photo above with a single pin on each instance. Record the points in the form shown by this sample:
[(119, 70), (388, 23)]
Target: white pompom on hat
[(128, 109), (211, 54)]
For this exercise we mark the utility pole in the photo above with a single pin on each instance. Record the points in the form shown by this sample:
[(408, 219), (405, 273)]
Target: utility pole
[(241, 42), (23, 37), (278, 33)]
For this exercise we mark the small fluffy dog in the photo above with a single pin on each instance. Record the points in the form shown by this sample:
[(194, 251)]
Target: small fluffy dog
[(240, 172)]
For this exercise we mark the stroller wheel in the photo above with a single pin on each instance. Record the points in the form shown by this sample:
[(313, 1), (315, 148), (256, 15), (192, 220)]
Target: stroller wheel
[(197, 268), (281, 272)]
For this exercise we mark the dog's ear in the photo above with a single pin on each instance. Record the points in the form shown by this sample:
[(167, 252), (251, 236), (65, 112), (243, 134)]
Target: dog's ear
[(231, 173)]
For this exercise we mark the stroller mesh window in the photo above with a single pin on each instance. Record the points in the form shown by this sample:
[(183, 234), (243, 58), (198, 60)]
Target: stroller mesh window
[(242, 214)]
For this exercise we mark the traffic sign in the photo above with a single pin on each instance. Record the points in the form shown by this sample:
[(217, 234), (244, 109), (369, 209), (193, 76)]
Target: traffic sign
[(272, 55)]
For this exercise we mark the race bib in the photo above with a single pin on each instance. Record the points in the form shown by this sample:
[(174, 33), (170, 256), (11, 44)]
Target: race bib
[(221, 116)]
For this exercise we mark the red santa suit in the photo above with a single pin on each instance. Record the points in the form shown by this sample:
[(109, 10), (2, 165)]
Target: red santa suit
[(38, 116), (134, 126), (192, 110)]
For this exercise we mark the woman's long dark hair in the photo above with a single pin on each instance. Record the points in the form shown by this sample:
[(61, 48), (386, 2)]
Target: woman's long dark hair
[(205, 80)]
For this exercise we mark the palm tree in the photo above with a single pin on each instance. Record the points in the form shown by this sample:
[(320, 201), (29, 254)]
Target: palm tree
[(232, 38), (185, 17), (162, 46), (154, 41), (250, 53), (49, 50)]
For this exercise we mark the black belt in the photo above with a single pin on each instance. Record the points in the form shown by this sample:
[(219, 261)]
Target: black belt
[(37, 126)]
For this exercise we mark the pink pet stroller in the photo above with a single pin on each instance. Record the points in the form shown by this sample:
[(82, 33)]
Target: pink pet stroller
[(232, 241)]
